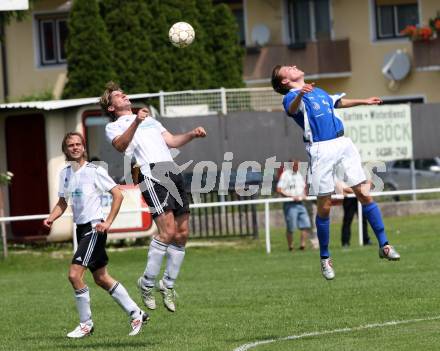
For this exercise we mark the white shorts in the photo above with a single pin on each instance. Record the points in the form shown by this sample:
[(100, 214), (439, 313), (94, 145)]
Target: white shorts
[(331, 159)]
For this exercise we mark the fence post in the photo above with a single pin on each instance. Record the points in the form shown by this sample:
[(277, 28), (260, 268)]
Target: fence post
[(413, 179), (224, 102), (267, 225), (161, 103), (3, 239), (3, 225), (360, 226)]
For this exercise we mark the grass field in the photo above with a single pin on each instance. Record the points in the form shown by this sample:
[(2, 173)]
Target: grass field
[(231, 295)]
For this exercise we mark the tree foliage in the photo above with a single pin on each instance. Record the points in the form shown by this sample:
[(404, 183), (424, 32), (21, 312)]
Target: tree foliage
[(128, 23), (228, 54), (89, 51), (139, 50)]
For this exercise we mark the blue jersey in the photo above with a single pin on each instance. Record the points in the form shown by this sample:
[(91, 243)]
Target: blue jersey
[(316, 114)]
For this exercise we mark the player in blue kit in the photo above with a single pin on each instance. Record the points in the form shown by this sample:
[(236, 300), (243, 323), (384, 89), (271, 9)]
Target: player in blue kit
[(329, 152)]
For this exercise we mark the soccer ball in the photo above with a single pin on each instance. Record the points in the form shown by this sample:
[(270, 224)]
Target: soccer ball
[(181, 34)]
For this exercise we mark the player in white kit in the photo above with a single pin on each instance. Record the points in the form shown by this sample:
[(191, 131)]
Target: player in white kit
[(82, 184), (329, 153), (161, 184)]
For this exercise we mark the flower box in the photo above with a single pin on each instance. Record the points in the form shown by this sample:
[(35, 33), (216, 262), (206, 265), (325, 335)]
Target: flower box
[(426, 54)]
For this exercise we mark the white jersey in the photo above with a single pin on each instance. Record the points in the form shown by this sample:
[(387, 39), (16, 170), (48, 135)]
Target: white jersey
[(147, 146), (292, 183), (82, 189)]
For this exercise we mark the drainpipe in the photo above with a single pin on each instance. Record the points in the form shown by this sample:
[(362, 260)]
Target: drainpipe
[(4, 62)]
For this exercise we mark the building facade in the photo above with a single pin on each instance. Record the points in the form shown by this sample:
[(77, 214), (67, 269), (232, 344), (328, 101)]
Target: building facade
[(342, 45)]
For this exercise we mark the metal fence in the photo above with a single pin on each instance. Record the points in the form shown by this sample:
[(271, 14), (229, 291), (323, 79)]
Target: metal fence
[(223, 221), (251, 202), (217, 101)]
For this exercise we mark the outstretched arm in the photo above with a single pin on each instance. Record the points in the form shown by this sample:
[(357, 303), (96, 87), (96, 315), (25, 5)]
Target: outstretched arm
[(356, 102), (307, 88), (57, 211), (179, 140), (122, 141)]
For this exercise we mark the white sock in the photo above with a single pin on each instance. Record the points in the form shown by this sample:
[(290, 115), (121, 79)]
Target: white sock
[(175, 256), (120, 295), (156, 252), (82, 298)]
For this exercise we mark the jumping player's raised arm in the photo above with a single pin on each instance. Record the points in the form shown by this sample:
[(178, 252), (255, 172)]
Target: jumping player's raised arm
[(343, 103), (294, 105), (178, 140), (121, 142)]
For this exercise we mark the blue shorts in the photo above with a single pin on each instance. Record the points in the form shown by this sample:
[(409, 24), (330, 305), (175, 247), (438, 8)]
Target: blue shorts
[(296, 216)]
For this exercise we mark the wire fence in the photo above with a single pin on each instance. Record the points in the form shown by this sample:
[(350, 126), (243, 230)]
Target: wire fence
[(267, 202), (217, 101)]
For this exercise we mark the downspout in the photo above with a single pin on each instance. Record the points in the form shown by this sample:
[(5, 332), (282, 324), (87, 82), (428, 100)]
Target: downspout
[(4, 62)]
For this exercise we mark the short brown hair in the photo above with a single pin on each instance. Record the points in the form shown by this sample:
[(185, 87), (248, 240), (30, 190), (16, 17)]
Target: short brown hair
[(67, 137), (106, 98), (277, 85)]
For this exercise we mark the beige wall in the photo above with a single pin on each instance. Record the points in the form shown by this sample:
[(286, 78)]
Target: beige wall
[(429, 9), (353, 19), (24, 75), (264, 12)]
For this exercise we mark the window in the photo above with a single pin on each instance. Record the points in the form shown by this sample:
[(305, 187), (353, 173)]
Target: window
[(425, 164), (52, 36), (392, 16), (237, 10), (308, 20), (403, 164)]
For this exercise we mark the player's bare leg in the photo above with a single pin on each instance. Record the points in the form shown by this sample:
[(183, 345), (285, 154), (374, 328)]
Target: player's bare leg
[(118, 292), (82, 299)]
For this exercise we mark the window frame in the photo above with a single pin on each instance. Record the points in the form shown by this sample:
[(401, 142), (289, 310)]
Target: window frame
[(375, 22), (55, 19), (290, 22)]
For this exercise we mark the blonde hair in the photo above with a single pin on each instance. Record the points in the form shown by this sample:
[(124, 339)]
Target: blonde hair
[(106, 98), (67, 137)]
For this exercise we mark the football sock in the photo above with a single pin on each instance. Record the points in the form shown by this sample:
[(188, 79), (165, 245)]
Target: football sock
[(156, 252), (323, 229), (372, 212), (175, 255), (82, 299), (120, 295)]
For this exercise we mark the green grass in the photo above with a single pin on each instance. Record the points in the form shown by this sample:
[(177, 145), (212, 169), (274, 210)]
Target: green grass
[(230, 295)]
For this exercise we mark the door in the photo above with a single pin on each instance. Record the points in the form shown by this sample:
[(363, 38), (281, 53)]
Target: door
[(26, 158)]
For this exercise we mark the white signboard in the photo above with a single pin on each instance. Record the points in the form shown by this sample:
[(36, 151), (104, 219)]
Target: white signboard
[(13, 5), (381, 133), (132, 201)]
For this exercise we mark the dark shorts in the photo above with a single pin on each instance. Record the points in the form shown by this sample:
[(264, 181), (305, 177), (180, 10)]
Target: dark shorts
[(166, 194), (91, 248)]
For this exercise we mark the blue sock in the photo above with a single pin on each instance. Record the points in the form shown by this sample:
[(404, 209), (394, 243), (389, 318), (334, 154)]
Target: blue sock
[(323, 229), (372, 212)]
